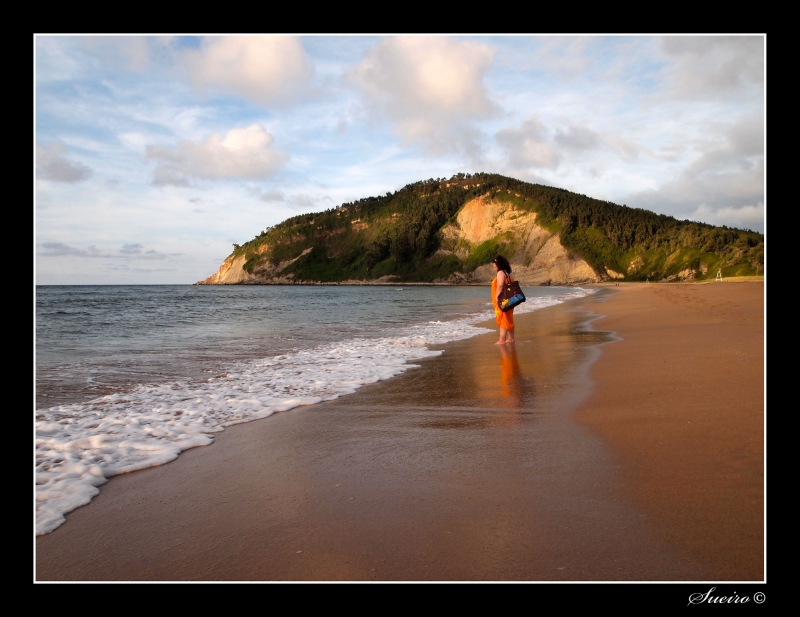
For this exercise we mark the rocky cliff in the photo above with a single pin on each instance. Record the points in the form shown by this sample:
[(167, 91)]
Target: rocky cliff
[(232, 272)]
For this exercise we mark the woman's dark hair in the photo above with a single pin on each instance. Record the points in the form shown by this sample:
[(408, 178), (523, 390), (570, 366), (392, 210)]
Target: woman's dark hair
[(502, 263)]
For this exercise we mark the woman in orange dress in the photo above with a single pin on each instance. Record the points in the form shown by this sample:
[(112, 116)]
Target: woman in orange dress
[(505, 321)]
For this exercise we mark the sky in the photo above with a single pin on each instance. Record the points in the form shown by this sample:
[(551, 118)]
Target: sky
[(154, 154)]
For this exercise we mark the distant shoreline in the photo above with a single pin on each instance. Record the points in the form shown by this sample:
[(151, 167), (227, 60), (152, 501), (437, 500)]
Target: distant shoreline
[(367, 284)]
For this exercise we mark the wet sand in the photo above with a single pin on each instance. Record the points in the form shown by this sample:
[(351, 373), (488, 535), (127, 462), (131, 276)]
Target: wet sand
[(486, 463)]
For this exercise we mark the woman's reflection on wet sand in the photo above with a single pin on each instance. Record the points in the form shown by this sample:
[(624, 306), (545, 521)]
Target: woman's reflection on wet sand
[(510, 376)]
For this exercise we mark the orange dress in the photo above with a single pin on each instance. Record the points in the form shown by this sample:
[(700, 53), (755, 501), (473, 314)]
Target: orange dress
[(504, 320)]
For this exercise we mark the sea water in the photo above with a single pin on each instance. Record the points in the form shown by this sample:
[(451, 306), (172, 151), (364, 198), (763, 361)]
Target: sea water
[(129, 376)]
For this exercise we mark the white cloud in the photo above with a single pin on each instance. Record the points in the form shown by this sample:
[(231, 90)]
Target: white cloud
[(429, 87), (712, 65), (747, 217), (131, 249), (563, 56), (135, 53), (53, 164), (302, 201), (621, 145), (59, 249), (295, 201), (725, 182), (271, 196), (533, 145), (166, 175), (241, 153), (133, 140), (577, 138), (528, 145), (263, 69), (735, 166), (128, 251)]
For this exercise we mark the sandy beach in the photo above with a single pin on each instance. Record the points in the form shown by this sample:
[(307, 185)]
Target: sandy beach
[(620, 439), (680, 404)]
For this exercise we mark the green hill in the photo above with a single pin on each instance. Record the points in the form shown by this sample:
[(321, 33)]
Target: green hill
[(400, 235)]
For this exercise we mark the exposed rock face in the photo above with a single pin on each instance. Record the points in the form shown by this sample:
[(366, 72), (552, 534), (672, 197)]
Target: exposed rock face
[(637, 263), (539, 258), (684, 275), (232, 272)]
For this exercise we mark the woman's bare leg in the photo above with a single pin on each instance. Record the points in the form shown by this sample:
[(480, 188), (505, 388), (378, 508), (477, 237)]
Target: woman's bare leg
[(510, 336), (503, 336)]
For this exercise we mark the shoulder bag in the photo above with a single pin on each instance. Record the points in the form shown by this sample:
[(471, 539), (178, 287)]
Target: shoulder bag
[(510, 295)]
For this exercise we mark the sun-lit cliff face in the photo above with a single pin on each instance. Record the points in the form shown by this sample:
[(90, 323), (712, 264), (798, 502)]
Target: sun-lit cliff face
[(535, 254), (448, 231), (232, 272)]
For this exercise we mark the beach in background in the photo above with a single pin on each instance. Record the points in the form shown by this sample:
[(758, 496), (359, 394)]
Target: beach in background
[(570, 456)]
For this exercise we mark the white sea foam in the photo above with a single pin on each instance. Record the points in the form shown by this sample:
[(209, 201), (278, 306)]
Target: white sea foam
[(79, 446)]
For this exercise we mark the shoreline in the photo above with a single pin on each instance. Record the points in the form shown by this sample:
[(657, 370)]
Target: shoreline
[(378, 283), (374, 283), (435, 474)]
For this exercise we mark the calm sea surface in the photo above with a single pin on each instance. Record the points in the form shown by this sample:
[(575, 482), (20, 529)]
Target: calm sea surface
[(129, 376)]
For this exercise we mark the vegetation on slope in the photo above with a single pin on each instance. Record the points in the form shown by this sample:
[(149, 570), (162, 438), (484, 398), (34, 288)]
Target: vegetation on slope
[(397, 235)]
